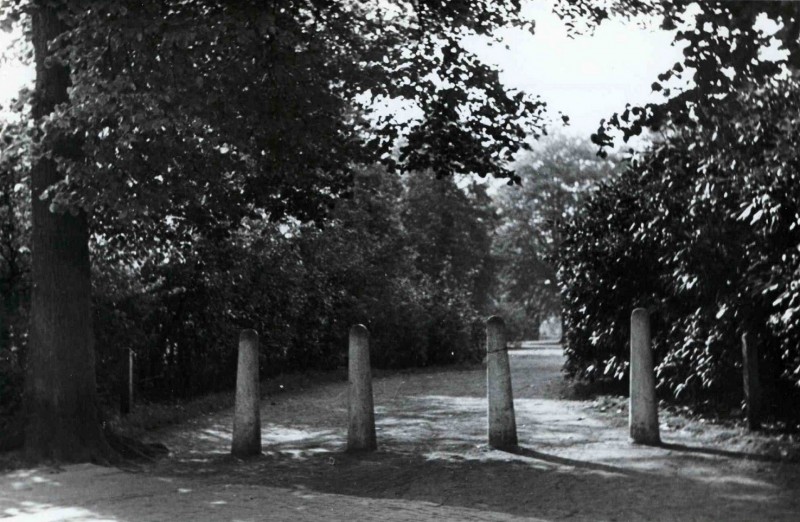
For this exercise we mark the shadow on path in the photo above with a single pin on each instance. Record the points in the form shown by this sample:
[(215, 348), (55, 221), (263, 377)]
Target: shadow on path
[(719, 452), (562, 461), (431, 435), (524, 482)]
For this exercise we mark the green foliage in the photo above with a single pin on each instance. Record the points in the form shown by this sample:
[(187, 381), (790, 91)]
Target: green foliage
[(448, 226), (555, 176), (185, 107), (180, 306), (703, 232), (448, 223), (604, 273), (14, 251), (200, 136), (714, 207), (724, 46)]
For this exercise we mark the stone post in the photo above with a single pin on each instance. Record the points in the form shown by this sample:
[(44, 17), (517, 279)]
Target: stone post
[(247, 417), (643, 418), (361, 430), (752, 386), (126, 382), (502, 423)]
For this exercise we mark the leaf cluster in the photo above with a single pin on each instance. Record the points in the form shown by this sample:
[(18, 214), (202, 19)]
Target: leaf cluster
[(180, 306), (703, 231), (248, 108), (724, 52)]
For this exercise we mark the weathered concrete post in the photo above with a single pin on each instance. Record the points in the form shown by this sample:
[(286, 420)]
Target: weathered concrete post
[(643, 418), (502, 423), (247, 417), (752, 386), (361, 430), (126, 385)]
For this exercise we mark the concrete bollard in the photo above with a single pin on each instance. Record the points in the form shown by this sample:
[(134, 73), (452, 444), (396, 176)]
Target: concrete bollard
[(752, 386), (502, 423), (126, 387), (361, 430), (643, 419), (247, 417)]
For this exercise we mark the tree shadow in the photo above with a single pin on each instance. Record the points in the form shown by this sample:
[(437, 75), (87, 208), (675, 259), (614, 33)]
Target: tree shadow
[(562, 461), (546, 486), (720, 452)]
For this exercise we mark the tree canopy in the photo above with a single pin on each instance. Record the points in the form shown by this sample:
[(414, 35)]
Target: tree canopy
[(725, 46), (192, 107), (163, 125)]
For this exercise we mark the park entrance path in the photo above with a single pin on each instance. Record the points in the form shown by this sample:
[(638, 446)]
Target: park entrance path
[(574, 463)]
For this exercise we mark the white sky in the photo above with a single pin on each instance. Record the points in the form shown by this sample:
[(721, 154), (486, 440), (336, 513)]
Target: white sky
[(587, 78), (13, 75)]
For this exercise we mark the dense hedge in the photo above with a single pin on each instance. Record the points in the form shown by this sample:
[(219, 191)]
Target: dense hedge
[(301, 287), (702, 231), (177, 293)]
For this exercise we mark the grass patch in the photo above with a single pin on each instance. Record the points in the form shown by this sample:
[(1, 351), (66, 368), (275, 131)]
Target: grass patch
[(147, 417)]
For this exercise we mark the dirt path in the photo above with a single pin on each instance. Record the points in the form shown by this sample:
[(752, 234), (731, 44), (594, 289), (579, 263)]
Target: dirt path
[(574, 463)]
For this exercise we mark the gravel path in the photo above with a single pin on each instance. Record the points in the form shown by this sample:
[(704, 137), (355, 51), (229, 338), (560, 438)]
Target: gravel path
[(574, 463)]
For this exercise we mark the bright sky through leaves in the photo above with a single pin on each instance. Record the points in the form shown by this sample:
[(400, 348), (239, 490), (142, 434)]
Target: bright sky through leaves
[(13, 74), (587, 77)]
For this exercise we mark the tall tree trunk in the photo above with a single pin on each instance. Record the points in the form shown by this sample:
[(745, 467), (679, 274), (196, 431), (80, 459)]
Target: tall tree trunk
[(62, 419)]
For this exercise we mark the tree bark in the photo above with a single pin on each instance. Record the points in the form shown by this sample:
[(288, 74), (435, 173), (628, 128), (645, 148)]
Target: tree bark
[(62, 416)]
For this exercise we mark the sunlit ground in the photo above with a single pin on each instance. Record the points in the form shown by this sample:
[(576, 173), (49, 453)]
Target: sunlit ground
[(574, 461)]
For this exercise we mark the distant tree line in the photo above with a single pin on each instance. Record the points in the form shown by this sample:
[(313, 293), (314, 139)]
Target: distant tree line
[(408, 257), (557, 175), (420, 261)]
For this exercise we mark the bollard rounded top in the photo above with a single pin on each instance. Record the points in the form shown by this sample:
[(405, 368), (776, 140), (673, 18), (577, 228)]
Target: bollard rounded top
[(360, 330), (640, 312), (495, 320), (248, 334)]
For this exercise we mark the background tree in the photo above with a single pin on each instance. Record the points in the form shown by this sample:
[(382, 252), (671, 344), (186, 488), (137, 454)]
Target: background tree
[(555, 176), (448, 223), (448, 227)]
